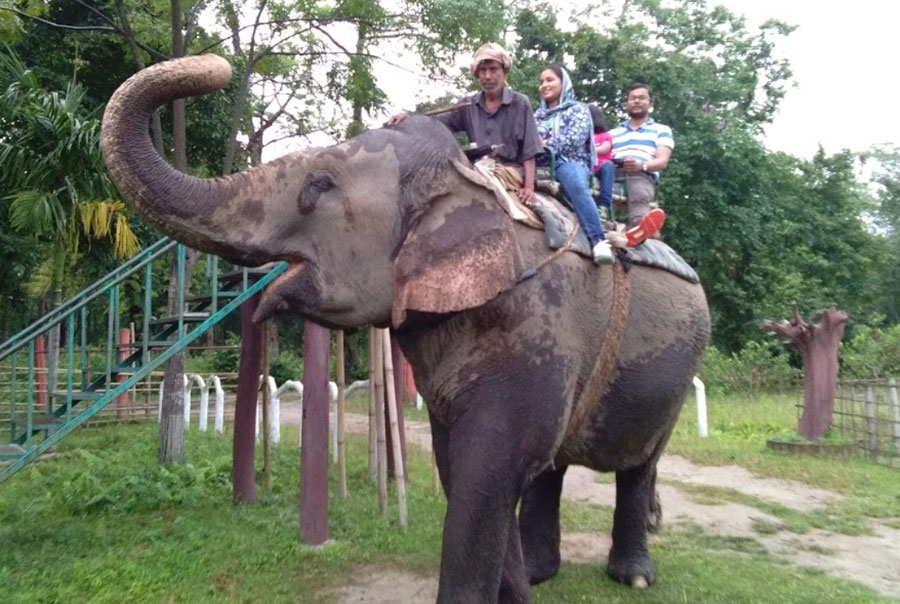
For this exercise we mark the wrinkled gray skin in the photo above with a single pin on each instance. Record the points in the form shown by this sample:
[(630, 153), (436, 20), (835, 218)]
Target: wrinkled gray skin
[(392, 228)]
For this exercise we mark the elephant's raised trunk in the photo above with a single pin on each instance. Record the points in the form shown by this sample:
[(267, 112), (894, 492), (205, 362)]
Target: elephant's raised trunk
[(206, 214)]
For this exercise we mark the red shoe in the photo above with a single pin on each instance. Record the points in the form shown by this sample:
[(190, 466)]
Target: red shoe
[(650, 225)]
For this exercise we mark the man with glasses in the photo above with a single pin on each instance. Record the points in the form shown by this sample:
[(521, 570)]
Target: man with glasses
[(641, 150)]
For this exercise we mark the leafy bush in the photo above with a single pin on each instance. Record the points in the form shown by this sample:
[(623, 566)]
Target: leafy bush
[(872, 353), (104, 488), (759, 366), (221, 360), (286, 366)]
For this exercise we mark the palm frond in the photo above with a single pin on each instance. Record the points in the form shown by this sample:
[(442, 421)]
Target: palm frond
[(38, 212), (41, 280)]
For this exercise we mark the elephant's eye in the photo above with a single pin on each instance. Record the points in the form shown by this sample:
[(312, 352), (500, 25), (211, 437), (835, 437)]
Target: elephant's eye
[(313, 187)]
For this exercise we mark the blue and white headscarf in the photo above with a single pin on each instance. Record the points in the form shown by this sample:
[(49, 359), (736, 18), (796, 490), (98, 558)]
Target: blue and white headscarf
[(567, 128)]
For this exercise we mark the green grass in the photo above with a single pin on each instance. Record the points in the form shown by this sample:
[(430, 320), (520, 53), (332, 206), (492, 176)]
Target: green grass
[(102, 522), (738, 430)]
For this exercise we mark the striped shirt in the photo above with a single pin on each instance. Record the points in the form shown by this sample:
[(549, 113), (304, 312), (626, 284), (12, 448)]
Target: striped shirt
[(640, 143)]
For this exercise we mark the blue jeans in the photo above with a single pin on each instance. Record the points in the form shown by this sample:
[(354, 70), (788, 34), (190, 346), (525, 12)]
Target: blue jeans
[(606, 174), (574, 180)]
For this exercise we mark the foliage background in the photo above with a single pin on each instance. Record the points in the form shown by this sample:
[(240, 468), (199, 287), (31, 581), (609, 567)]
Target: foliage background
[(763, 229)]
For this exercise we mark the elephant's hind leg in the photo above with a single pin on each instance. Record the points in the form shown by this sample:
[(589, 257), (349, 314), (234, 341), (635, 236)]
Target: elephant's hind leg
[(655, 516), (539, 525), (629, 560), (514, 588)]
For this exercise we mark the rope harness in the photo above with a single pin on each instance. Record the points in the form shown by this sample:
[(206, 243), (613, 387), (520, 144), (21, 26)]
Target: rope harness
[(604, 365)]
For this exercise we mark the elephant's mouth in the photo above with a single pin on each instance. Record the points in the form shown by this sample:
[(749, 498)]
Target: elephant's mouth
[(278, 296), (298, 290)]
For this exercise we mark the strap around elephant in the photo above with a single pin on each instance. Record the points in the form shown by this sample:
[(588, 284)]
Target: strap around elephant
[(604, 367)]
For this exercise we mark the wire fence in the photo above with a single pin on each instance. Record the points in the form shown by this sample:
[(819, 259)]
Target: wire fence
[(868, 412), (140, 403)]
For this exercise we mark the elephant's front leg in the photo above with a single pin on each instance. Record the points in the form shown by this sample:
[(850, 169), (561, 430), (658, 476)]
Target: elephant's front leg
[(481, 558), (539, 525), (629, 560)]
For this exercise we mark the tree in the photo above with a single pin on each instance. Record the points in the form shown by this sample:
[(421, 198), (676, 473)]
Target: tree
[(818, 344), (762, 229), (886, 213), (55, 186)]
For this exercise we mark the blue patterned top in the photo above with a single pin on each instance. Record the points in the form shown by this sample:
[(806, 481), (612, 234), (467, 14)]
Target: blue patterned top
[(567, 129)]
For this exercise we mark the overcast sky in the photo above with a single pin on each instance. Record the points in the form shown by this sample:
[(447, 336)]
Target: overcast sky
[(844, 58), (843, 55)]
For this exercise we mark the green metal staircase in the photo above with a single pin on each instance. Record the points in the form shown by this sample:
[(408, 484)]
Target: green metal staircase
[(35, 419)]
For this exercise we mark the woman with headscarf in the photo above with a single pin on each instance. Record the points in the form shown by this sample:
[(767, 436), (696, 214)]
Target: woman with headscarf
[(567, 131)]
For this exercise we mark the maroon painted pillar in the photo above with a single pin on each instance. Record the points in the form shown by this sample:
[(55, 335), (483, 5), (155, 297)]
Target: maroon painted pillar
[(314, 439), (125, 351), (40, 372), (244, 448)]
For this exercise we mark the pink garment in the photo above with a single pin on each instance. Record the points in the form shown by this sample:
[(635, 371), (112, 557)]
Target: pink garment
[(603, 137)]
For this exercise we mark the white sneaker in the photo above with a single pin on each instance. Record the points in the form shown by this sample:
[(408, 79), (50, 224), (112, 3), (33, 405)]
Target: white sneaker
[(603, 253)]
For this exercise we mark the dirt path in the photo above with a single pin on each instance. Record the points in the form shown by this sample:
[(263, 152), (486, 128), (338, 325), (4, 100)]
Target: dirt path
[(873, 560)]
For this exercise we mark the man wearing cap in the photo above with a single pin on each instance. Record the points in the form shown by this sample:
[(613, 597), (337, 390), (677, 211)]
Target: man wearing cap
[(497, 116)]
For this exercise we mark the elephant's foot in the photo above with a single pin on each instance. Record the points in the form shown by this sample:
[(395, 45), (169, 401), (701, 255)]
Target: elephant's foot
[(631, 568), (541, 563), (655, 515)]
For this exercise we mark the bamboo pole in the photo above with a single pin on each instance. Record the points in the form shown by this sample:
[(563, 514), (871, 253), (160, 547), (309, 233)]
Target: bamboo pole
[(381, 448), (341, 385), (447, 109), (266, 403), (395, 426), (373, 449)]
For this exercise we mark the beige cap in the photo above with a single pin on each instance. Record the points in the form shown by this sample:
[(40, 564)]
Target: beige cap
[(493, 52)]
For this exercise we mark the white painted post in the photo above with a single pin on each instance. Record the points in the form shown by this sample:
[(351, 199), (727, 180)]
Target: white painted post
[(274, 414), (188, 387), (333, 392), (296, 387), (272, 389), (159, 407), (186, 400), (419, 401), (895, 406), (700, 393), (220, 402), (204, 407)]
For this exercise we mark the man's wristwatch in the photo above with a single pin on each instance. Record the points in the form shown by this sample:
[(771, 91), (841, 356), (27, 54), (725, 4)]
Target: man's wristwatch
[(644, 167)]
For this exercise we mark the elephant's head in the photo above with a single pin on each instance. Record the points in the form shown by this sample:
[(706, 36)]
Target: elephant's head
[(390, 222)]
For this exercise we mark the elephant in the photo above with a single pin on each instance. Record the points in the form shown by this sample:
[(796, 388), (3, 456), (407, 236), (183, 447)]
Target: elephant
[(522, 376)]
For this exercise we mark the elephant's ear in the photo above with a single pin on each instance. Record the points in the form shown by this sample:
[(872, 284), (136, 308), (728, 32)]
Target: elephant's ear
[(460, 253)]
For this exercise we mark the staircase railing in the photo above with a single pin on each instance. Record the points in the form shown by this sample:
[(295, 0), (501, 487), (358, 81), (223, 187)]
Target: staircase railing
[(38, 414)]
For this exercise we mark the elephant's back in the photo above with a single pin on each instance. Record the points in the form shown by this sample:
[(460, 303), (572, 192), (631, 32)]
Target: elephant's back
[(665, 334)]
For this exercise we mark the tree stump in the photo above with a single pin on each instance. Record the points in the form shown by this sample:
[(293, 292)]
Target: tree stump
[(818, 345)]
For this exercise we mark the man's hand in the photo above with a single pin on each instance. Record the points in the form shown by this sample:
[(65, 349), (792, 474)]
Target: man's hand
[(395, 119), (526, 195), (632, 165)]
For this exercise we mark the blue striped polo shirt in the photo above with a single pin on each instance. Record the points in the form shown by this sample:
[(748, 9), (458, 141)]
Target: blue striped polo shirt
[(640, 143)]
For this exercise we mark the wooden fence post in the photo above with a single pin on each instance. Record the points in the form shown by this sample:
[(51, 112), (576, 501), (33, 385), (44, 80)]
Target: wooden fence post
[(381, 444), (895, 406), (341, 402), (373, 447), (872, 422), (392, 404)]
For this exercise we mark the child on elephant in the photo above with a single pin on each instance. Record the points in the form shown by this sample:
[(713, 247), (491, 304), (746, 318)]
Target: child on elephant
[(604, 169)]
